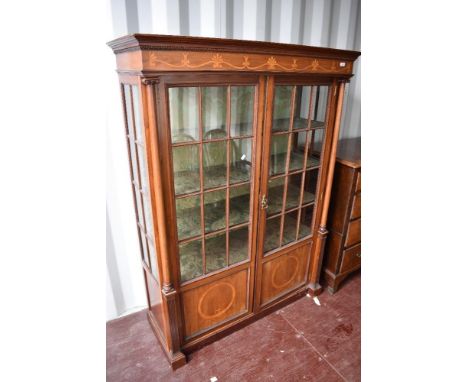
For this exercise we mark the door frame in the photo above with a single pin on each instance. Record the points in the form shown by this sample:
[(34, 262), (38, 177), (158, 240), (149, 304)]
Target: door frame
[(166, 81), (271, 80)]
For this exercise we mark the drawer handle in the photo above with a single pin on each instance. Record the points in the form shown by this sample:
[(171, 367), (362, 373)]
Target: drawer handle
[(358, 254)]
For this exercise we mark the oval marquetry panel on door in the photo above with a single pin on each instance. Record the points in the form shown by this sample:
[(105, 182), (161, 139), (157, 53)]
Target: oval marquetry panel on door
[(210, 304), (284, 273)]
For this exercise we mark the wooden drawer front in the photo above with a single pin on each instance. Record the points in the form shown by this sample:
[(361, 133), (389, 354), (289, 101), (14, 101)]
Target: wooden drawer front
[(215, 302), (358, 182), (284, 273), (351, 259), (354, 233), (356, 210)]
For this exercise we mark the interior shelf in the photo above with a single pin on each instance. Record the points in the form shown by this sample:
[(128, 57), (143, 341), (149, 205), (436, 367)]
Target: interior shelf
[(275, 198), (191, 263), (273, 225), (189, 181), (278, 162), (188, 216), (282, 124)]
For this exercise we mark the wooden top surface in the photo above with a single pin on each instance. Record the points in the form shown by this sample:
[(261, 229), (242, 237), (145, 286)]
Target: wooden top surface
[(185, 43), (348, 152)]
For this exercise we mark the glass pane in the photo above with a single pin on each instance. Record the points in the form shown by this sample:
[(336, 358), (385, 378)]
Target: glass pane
[(134, 164), (139, 207), (301, 107), (143, 168), (191, 260), (145, 248), (296, 158), (305, 225), (241, 160), (316, 137), (183, 112), (214, 112), (282, 108), (278, 149), (148, 214), (215, 210), (319, 106), (239, 204), (238, 245), (214, 164), (186, 170), (242, 107), (153, 260), (136, 111), (188, 216), (310, 185), (275, 195), (215, 251), (290, 226), (294, 190), (272, 233), (128, 111)]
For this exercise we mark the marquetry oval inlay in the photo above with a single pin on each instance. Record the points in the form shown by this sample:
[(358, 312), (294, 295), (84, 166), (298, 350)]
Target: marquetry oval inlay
[(216, 300), (284, 272)]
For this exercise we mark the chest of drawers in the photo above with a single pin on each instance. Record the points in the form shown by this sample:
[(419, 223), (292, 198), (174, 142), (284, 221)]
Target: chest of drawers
[(343, 247)]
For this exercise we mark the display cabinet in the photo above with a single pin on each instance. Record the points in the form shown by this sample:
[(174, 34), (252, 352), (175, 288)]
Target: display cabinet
[(232, 146)]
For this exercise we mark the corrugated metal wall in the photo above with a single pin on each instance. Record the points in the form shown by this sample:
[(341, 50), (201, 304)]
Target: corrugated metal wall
[(327, 23)]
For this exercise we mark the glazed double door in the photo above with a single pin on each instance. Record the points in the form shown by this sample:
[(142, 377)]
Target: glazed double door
[(246, 155)]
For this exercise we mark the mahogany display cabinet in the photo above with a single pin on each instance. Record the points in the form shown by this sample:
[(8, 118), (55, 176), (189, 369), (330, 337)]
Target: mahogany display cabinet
[(232, 149)]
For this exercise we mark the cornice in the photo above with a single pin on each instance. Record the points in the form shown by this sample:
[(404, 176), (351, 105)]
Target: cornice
[(184, 43)]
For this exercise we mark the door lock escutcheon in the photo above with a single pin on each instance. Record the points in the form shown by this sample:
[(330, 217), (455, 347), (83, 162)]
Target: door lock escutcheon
[(264, 202)]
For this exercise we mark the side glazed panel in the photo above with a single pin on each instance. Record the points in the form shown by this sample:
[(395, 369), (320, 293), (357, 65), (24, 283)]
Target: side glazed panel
[(284, 273), (214, 303)]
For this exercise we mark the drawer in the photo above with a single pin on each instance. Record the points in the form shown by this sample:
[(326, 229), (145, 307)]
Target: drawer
[(358, 182), (356, 210), (351, 259), (354, 233)]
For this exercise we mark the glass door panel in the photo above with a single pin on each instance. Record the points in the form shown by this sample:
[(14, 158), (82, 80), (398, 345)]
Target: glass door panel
[(214, 164), (242, 110), (186, 169), (184, 119), (214, 112), (212, 144), (297, 135), (241, 160)]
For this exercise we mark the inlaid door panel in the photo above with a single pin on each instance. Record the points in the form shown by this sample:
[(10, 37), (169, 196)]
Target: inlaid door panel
[(284, 273), (215, 302)]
